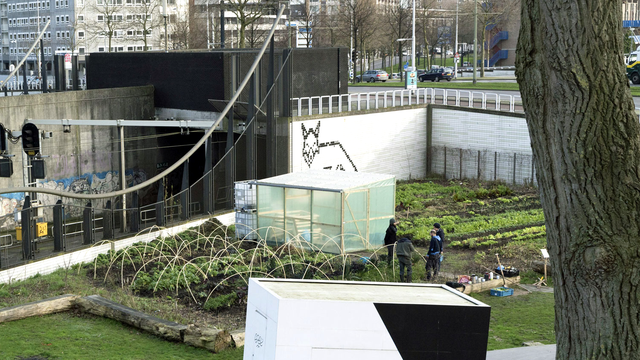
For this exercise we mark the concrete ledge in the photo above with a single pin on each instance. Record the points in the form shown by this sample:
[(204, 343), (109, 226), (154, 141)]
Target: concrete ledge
[(100, 306), (37, 308)]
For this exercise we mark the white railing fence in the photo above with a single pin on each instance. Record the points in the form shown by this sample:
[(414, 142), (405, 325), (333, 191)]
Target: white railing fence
[(329, 104)]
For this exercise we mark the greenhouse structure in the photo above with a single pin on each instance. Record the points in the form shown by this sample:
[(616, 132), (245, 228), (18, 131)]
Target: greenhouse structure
[(332, 211)]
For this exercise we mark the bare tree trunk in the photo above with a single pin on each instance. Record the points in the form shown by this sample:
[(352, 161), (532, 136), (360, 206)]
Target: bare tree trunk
[(585, 138)]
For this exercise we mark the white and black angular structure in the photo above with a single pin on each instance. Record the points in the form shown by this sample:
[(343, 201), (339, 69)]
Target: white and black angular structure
[(308, 319)]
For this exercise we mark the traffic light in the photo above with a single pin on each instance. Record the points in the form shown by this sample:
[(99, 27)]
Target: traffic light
[(30, 139), (3, 139), (354, 55)]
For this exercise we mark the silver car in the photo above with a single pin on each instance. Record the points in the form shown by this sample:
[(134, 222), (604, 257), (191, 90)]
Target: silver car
[(373, 76)]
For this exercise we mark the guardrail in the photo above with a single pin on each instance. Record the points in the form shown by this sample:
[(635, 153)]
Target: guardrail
[(330, 104)]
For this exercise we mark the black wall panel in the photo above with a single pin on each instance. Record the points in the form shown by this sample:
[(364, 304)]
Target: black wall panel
[(182, 80)]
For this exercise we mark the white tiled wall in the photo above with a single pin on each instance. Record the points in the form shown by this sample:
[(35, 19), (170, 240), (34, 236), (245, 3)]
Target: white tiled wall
[(391, 142), (480, 131)]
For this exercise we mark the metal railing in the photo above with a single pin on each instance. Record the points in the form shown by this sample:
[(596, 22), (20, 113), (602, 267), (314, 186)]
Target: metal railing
[(330, 104)]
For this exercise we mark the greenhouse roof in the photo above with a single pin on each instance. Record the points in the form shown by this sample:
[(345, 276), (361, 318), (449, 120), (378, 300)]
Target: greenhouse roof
[(328, 180)]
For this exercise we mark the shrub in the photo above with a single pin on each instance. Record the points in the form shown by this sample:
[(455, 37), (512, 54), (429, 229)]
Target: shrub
[(221, 301)]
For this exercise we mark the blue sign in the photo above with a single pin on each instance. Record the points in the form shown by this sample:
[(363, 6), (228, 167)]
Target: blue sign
[(406, 66)]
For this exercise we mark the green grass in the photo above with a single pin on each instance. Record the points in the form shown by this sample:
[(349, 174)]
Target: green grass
[(449, 85), (505, 86), (516, 319), (65, 336)]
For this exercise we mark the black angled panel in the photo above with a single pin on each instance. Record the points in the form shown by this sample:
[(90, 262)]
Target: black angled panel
[(437, 331)]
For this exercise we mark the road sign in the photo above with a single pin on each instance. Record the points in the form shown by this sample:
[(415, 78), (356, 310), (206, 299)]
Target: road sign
[(67, 61), (406, 66), (457, 55)]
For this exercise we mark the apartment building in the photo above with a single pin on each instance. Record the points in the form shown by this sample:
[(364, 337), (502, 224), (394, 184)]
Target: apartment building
[(81, 27)]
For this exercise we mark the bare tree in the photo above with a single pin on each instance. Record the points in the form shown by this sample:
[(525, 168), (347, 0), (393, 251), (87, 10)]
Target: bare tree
[(179, 30), (358, 20), (427, 24), (585, 137), (107, 20), (398, 24), (247, 12), (145, 18)]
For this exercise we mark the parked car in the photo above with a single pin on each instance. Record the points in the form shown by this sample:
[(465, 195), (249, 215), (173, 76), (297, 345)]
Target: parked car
[(437, 75), (395, 76), (373, 76), (420, 72)]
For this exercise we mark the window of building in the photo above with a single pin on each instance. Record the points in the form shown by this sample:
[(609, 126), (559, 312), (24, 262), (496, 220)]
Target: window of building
[(67, 35), (100, 18), (57, 4), (100, 48), (129, 48), (80, 34), (138, 48), (80, 18)]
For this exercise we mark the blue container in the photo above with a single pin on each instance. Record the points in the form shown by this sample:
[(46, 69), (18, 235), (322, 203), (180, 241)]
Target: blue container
[(501, 291)]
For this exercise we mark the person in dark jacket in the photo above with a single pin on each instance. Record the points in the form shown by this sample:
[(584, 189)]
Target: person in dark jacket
[(440, 235), (433, 256), (404, 249), (390, 239)]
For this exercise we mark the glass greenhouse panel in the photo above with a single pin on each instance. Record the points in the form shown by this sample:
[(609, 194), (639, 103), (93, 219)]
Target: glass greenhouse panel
[(355, 235), (326, 238), (271, 214), (326, 207), (377, 230), (381, 202), (355, 205)]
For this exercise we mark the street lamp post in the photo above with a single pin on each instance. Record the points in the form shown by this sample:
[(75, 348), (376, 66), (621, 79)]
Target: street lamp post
[(413, 38), (456, 57), (164, 14), (16, 52), (475, 41)]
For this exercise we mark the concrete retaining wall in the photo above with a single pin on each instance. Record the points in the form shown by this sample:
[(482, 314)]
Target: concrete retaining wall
[(86, 158)]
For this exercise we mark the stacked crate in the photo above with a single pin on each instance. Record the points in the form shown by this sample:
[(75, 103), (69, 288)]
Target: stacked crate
[(245, 205)]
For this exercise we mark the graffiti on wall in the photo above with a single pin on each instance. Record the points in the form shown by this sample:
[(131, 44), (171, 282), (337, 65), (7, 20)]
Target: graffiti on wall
[(326, 155), (98, 183)]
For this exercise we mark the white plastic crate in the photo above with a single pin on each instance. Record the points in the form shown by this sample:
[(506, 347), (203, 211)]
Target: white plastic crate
[(246, 223), (245, 195)]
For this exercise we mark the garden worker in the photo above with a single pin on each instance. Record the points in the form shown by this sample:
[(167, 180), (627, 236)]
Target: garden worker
[(440, 235), (433, 256), (404, 248), (390, 239)]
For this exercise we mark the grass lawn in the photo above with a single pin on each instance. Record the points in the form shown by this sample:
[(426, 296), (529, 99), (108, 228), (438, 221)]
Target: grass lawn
[(506, 86), (516, 319), (70, 336)]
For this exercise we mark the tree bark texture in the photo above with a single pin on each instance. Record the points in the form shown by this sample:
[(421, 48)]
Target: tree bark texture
[(585, 138)]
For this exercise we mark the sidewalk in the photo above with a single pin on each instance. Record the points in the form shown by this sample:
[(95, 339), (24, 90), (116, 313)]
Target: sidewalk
[(545, 352)]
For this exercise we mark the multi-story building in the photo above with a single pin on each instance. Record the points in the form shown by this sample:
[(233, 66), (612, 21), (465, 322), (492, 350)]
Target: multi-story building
[(82, 27)]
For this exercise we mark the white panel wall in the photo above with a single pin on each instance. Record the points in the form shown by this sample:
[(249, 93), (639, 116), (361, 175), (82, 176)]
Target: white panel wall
[(481, 145), (480, 131), (392, 142)]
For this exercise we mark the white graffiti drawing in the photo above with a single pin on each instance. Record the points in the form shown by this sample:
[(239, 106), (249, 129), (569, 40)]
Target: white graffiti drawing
[(327, 155)]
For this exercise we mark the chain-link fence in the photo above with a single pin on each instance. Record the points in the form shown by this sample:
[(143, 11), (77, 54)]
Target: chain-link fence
[(457, 163)]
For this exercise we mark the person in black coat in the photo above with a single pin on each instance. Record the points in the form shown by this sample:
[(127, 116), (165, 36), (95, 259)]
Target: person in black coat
[(440, 235), (390, 239), (433, 256)]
